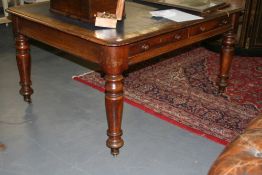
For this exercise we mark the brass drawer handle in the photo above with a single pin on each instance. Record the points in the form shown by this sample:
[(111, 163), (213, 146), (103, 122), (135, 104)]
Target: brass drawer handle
[(202, 29), (177, 37), (145, 46)]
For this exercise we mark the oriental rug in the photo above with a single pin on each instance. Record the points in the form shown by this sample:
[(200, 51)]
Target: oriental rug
[(183, 91)]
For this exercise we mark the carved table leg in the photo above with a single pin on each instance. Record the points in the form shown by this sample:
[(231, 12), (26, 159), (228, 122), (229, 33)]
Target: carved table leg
[(114, 109), (23, 59)]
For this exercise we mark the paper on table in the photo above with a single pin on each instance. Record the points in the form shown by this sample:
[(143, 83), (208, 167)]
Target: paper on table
[(175, 15)]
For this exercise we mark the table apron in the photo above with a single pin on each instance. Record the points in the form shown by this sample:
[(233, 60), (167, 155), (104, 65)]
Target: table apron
[(69, 43)]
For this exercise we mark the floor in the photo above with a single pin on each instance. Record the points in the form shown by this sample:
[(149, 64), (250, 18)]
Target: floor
[(63, 131)]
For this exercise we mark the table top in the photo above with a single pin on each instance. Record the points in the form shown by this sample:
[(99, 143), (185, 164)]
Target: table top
[(137, 25)]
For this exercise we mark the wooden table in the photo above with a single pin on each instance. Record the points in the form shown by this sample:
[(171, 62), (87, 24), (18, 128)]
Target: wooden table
[(137, 38)]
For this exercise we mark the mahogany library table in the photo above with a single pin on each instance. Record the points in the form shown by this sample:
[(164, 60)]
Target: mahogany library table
[(137, 38)]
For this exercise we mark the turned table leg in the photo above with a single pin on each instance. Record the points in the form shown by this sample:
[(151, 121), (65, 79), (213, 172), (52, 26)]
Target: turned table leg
[(114, 109), (114, 62), (23, 59), (227, 52)]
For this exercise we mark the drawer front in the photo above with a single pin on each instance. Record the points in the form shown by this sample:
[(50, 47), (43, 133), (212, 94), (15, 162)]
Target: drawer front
[(157, 42), (210, 25)]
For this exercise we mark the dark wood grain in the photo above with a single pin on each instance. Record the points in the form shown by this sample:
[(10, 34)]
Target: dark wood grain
[(137, 38), (85, 10)]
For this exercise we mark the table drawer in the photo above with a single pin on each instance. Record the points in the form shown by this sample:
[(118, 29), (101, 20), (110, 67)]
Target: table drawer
[(157, 42), (209, 25)]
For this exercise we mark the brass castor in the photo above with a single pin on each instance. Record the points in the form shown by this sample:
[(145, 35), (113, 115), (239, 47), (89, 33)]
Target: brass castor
[(27, 99), (115, 151)]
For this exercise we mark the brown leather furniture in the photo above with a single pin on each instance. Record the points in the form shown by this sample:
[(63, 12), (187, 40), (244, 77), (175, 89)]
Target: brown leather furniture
[(243, 156)]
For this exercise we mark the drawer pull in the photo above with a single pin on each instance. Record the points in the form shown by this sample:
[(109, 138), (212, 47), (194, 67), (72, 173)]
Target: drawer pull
[(202, 29), (224, 21), (145, 46), (177, 37)]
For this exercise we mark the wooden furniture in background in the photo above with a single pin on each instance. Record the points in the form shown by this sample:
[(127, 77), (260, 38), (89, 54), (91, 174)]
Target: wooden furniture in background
[(102, 13), (83, 10), (251, 28), (137, 38)]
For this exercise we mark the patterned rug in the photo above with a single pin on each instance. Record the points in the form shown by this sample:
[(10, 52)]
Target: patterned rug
[(182, 90)]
